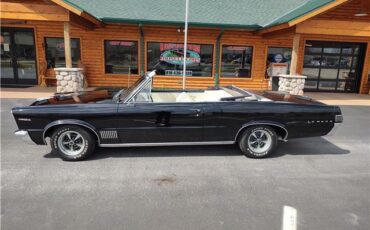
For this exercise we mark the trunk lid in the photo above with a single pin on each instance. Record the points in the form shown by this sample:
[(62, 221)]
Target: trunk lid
[(286, 97)]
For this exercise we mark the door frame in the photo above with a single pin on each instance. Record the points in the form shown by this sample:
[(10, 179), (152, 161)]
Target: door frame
[(15, 81)]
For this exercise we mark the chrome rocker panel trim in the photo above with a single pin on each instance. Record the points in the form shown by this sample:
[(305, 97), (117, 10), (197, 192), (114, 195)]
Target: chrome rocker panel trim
[(168, 144)]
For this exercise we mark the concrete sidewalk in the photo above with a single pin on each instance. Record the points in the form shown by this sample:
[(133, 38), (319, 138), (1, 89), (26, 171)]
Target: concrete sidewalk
[(327, 98), (27, 93), (341, 98), (30, 92)]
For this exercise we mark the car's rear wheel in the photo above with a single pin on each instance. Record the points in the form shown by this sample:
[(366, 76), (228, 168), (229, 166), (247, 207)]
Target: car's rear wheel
[(258, 141), (72, 143)]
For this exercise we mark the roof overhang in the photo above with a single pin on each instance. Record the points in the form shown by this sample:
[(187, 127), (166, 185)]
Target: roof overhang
[(78, 11), (179, 23), (302, 17)]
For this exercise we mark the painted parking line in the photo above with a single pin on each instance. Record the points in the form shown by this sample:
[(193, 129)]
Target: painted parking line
[(289, 218)]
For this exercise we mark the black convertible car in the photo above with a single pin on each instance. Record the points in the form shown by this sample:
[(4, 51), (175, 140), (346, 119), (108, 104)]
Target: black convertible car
[(141, 116)]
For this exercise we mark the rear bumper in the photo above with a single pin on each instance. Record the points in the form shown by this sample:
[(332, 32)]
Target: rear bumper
[(338, 118)]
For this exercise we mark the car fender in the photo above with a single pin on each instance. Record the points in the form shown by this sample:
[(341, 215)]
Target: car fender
[(268, 123), (70, 122)]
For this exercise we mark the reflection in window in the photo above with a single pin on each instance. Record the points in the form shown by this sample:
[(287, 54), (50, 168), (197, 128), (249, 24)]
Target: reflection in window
[(310, 84), (277, 55), (327, 85), (312, 60), (311, 72), (329, 74), (54, 48), (332, 50), (330, 61), (236, 61), (121, 57), (167, 59), (310, 49)]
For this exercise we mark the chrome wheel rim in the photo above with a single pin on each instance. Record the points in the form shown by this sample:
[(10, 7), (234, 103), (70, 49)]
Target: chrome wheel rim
[(71, 143), (259, 141)]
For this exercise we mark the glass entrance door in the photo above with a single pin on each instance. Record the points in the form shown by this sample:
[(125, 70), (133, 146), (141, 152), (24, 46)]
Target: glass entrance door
[(333, 66), (18, 57)]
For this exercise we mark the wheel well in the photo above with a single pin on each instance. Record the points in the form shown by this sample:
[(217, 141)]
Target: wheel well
[(51, 130), (280, 131)]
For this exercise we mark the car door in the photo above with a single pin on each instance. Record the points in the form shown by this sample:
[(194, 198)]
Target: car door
[(222, 120), (150, 122)]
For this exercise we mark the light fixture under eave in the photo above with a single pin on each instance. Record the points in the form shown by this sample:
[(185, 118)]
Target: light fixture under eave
[(360, 13)]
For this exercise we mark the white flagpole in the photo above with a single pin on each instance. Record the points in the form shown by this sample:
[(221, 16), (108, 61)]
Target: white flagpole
[(185, 43)]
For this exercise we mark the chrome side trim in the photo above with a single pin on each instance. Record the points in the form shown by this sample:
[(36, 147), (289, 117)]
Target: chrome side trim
[(109, 134), (168, 144), (285, 138), (68, 122)]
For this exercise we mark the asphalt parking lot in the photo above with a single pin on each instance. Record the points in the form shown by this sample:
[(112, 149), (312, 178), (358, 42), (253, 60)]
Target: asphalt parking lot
[(326, 179)]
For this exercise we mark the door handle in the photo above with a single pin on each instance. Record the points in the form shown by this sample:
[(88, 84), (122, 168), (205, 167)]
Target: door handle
[(197, 112)]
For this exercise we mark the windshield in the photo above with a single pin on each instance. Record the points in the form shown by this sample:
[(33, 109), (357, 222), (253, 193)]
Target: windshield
[(130, 89), (139, 91), (144, 94)]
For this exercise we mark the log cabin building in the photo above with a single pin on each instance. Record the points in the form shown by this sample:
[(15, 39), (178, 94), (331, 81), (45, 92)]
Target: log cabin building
[(230, 42)]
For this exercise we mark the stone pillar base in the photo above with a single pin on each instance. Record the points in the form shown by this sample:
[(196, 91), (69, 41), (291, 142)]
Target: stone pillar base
[(292, 84), (69, 80)]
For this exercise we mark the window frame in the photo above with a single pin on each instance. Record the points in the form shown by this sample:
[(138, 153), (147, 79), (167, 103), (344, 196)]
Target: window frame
[(45, 49), (190, 43), (252, 65), (138, 57), (267, 54)]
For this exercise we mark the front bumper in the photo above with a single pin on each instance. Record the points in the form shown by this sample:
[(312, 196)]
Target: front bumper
[(24, 136)]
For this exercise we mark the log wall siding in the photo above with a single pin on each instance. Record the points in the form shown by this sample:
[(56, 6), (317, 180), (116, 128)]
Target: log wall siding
[(92, 51)]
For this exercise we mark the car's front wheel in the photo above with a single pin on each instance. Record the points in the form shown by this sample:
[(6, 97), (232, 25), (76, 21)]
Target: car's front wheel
[(72, 143), (258, 141)]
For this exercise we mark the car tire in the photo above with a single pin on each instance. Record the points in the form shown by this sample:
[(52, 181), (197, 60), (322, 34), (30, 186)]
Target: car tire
[(72, 143), (258, 141)]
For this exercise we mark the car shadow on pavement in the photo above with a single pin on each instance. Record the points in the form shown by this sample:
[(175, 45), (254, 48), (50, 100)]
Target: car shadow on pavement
[(309, 146), (306, 146)]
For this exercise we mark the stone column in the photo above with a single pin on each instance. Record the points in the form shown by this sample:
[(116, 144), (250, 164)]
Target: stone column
[(69, 80), (292, 84)]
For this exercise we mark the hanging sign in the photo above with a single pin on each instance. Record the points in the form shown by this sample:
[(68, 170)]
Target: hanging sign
[(278, 58)]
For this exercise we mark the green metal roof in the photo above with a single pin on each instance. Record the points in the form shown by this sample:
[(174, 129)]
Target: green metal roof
[(252, 14)]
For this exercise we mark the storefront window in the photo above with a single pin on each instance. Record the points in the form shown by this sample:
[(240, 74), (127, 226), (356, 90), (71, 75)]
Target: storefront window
[(167, 59), (236, 61), (121, 57), (54, 48), (332, 66), (278, 61)]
